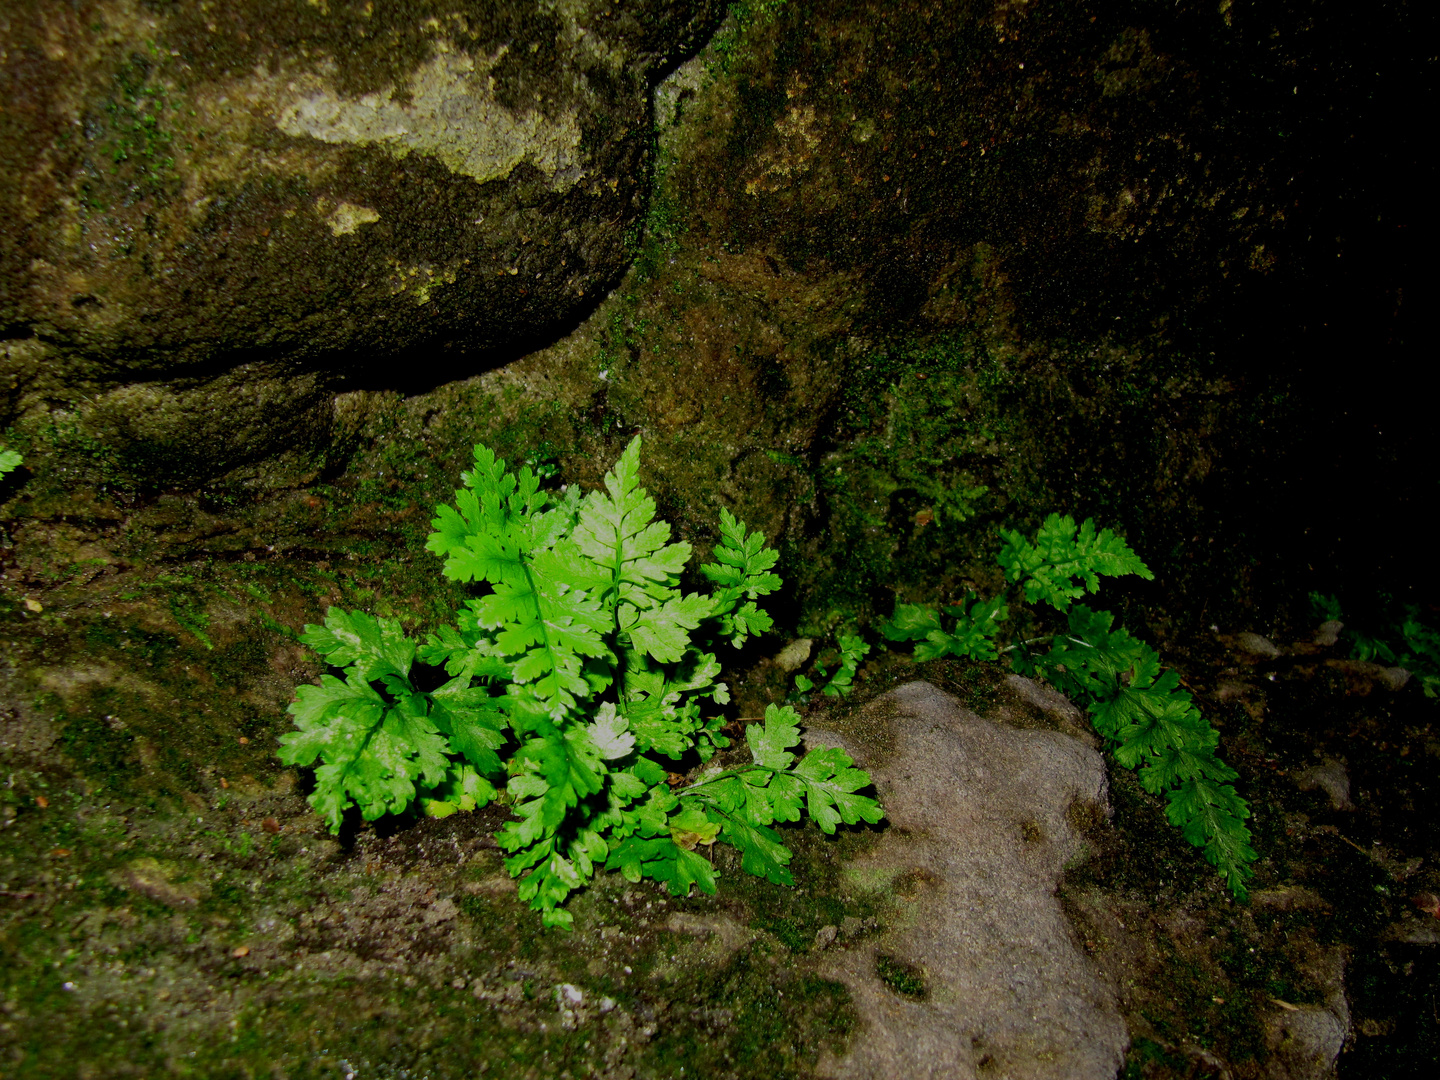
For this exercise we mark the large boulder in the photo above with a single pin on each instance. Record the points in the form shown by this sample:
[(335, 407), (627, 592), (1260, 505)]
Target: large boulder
[(979, 975), (192, 189)]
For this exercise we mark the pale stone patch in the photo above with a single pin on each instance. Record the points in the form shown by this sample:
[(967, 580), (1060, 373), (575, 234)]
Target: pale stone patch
[(348, 217), (980, 834), (449, 111)]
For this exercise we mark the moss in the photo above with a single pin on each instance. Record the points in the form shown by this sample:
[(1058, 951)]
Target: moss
[(903, 978), (1147, 1052), (891, 304), (139, 142), (108, 751)]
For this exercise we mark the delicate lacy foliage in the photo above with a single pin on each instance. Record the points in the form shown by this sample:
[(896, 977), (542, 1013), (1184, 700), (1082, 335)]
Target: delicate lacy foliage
[(853, 649), (1048, 567), (1147, 720), (376, 744), (571, 677), (1153, 725), (9, 459), (742, 571), (976, 625)]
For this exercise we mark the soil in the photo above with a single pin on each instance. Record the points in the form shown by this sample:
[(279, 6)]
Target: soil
[(171, 903)]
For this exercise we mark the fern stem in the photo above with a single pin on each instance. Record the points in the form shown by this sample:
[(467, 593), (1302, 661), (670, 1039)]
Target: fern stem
[(1029, 641), (740, 770)]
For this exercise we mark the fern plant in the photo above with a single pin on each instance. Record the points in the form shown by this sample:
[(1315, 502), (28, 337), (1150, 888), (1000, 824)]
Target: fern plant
[(577, 680), (1148, 722), (1406, 641), (853, 648)]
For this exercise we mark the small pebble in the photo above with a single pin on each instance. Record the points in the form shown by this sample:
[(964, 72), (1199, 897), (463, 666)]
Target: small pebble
[(1257, 645)]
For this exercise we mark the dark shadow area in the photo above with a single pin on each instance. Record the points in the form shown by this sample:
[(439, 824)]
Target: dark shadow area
[(425, 368)]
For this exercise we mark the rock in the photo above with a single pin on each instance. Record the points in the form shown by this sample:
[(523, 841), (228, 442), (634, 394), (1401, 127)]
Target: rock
[(441, 911), (1413, 931), (721, 931), (1362, 676), (1330, 777), (977, 974), (1393, 678), (208, 212), (1305, 1041), (567, 993), (1044, 698), (501, 884), (1304, 1044), (1256, 645), (1289, 898), (1328, 632), (793, 656), (1229, 690), (152, 878)]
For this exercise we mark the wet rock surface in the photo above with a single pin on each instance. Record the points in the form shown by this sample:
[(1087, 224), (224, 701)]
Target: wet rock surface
[(209, 215), (979, 975), (872, 335), (1306, 1040)]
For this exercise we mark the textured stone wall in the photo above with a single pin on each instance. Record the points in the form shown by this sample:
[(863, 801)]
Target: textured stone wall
[(221, 204)]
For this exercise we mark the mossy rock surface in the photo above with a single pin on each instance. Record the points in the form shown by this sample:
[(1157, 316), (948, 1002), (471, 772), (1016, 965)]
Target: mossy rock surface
[(213, 207), (844, 322)]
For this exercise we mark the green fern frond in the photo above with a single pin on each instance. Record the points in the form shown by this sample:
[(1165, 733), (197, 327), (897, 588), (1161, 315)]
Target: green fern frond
[(1152, 725), (570, 677), (1148, 722), (742, 570), (1065, 560), (972, 634), (375, 746)]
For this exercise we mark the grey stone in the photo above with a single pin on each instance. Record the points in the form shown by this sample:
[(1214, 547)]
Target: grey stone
[(721, 933), (1257, 645), (979, 835), (441, 911), (1330, 777), (1304, 1044), (156, 880), (1363, 676), (793, 656), (1328, 632), (1305, 1041), (1393, 678), (1044, 698), (1412, 931)]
